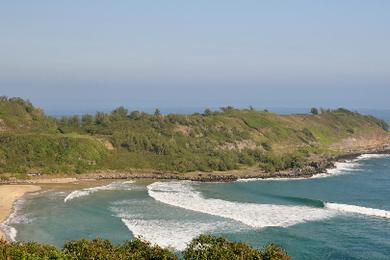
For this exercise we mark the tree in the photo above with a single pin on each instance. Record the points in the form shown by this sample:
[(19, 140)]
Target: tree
[(135, 115), (157, 114), (314, 111), (227, 109), (213, 248), (64, 120), (102, 118), (207, 112), (74, 121), (119, 113), (87, 120), (203, 247)]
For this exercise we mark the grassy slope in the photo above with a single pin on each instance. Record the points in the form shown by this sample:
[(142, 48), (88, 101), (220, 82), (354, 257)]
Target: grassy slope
[(232, 139), (49, 153), (30, 142)]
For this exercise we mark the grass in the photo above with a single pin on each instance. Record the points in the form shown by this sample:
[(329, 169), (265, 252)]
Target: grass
[(220, 140)]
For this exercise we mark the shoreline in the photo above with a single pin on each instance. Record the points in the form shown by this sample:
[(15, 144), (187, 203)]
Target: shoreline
[(310, 169), (12, 191), (9, 194)]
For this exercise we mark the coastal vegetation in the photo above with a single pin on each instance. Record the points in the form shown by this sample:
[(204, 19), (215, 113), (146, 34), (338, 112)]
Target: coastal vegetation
[(201, 248), (228, 139)]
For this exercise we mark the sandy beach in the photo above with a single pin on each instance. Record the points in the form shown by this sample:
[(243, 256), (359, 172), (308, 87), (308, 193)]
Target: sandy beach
[(8, 195)]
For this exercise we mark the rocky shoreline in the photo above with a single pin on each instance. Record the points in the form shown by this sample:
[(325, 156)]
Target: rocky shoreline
[(310, 169)]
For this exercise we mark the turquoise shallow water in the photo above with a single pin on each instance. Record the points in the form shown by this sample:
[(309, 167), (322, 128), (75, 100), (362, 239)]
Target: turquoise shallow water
[(291, 213)]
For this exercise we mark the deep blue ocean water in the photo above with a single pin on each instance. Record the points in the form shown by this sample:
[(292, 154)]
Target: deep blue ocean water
[(344, 214)]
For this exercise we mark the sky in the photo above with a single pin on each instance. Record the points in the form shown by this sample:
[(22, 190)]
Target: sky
[(96, 55)]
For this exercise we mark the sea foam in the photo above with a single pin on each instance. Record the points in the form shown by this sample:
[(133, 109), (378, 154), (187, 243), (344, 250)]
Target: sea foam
[(372, 156), (183, 195), (14, 218), (339, 169), (168, 226), (112, 186), (9, 231), (358, 210), (350, 165), (175, 234), (343, 168), (270, 179)]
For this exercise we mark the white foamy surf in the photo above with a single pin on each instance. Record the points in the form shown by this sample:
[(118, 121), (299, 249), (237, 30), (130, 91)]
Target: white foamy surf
[(9, 232), (358, 210), (353, 165), (343, 168), (182, 194), (270, 179), (14, 218), (350, 165), (339, 169), (167, 226), (112, 186), (371, 156), (175, 234)]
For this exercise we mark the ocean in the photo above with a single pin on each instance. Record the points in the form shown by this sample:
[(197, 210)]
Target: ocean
[(341, 214)]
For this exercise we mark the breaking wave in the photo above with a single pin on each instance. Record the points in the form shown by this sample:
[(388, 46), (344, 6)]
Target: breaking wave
[(372, 156), (112, 186), (350, 165), (358, 210), (168, 226), (182, 194), (170, 233), (14, 218), (9, 231), (270, 179), (339, 169)]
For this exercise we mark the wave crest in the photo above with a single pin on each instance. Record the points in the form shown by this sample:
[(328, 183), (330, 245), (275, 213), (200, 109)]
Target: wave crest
[(358, 210), (170, 233), (339, 169), (372, 156), (112, 186), (182, 194)]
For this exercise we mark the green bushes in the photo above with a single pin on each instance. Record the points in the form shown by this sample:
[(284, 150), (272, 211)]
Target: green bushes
[(29, 251), (104, 249), (203, 247), (209, 247), (223, 140), (49, 153), (18, 115)]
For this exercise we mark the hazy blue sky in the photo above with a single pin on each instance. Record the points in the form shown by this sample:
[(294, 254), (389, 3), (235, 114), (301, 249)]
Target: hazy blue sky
[(207, 53)]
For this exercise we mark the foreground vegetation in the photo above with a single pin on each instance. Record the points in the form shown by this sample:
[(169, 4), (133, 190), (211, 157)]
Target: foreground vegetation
[(203, 247), (31, 142)]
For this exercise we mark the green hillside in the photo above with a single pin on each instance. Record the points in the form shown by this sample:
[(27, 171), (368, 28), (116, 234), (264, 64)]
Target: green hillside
[(221, 140)]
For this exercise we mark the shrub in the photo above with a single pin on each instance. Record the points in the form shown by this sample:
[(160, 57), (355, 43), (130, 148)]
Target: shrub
[(218, 248), (203, 247), (30, 251), (314, 111)]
